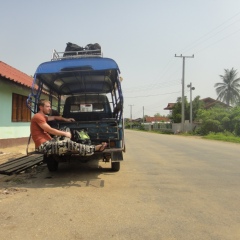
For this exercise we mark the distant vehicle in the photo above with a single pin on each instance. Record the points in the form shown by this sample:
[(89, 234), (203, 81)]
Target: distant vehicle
[(87, 87)]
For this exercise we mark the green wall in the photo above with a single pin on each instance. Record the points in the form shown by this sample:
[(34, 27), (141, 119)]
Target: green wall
[(9, 129)]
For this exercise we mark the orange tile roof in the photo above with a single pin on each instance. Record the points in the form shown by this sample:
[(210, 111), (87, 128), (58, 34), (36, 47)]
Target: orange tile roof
[(15, 75)]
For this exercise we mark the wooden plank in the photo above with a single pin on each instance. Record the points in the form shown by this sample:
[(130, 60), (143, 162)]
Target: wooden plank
[(20, 164), (34, 162), (12, 162), (18, 161)]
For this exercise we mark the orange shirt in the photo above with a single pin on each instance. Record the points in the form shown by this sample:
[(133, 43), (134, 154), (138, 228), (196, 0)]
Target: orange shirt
[(39, 136)]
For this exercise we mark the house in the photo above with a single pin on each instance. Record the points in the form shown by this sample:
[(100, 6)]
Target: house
[(208, 103), (15, 116), (169, 106)]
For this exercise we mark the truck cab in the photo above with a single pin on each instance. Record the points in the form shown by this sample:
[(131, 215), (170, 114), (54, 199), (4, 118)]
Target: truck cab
[(87, 87)]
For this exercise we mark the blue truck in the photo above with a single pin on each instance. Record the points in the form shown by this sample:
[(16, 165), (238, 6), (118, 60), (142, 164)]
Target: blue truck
[(85, 86)]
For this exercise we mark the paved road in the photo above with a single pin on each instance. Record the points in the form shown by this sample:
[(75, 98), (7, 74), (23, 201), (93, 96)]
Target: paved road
[(169, 187)]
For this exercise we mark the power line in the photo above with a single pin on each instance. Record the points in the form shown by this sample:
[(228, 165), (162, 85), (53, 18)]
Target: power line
[(208, 33), (156, 83), (153, 95), (151, 87), (212, 35), (191, 46), (217, 41)]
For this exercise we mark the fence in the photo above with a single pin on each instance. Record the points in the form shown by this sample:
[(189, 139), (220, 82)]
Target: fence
[(177, 127), (158, 126), (170, 127)]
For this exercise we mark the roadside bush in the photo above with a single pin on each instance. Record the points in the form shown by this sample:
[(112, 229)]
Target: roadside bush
[(210, 125), (237, 128), (226, 124), (227, 133), (141, 127), (221, 136), (166, 131)]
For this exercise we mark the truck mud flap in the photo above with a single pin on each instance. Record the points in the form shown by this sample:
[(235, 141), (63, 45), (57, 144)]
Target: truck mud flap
[(117, 156)]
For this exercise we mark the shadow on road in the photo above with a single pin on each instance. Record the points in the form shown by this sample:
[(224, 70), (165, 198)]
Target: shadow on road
[(68, 175)]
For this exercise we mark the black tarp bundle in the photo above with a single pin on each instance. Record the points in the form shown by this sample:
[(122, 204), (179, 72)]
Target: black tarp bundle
[(72, 49)]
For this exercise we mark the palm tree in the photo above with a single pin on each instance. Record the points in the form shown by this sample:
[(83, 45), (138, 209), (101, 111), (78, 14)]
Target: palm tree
[(228, 91)]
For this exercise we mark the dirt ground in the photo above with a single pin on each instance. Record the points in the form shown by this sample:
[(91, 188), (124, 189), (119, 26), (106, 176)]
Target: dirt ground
[(14, 152), (17, 149)]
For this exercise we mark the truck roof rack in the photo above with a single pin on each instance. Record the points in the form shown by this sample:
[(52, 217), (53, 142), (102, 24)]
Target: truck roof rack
[(75, 54)]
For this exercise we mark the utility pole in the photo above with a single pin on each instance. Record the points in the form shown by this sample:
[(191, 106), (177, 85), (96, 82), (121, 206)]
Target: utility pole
[(131, 113), (191, 88), (143, 114), (183, 98)]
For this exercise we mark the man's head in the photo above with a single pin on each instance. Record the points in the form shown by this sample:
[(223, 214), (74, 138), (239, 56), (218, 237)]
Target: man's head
[(44, 106)]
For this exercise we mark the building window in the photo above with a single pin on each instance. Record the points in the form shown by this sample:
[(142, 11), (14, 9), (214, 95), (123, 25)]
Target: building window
[(20, 112)]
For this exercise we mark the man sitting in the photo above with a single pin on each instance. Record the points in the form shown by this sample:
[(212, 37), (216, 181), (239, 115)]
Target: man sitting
[(40, 131)]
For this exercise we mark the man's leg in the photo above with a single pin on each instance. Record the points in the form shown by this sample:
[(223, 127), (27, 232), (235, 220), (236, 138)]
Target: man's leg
[(47, 147), (82, 149), (64, 146)]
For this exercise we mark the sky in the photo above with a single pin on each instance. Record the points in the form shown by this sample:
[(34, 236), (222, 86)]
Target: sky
[(142, 36)]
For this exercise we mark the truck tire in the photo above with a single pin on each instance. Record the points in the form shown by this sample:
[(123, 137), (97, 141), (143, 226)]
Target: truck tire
[(52, 164), (115, 166)]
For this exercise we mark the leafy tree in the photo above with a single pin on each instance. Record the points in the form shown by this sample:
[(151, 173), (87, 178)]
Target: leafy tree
[(157, 115), (234, 116), (228, 90), (216, 119), (196, 105), (177, 110), (216, 113), (210, 125), (227, 124), (237, 128)]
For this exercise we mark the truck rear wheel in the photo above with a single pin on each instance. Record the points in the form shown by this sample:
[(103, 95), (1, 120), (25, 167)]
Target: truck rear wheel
[(52, 164), (115, 166)]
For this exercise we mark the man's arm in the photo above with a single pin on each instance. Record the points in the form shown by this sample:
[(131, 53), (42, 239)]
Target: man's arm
[(54, 131), (60, 118)]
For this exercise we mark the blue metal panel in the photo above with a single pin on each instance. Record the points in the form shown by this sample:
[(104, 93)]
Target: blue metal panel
[(95, 63)]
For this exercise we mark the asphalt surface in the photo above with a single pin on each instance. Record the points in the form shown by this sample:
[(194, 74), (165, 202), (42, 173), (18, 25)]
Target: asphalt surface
[(169, 187)]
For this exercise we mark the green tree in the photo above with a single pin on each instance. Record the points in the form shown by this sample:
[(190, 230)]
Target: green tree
[(234, 116), (157, 115), (228, 90), (237, 128), (196, 105), (177, 110), (215, 119)]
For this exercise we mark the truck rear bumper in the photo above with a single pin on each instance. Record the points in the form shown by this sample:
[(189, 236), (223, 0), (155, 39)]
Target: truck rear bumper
[(116, 153), (110, 150)]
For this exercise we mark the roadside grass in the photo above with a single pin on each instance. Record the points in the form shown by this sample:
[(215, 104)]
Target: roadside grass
[(153, 131), (224, 136)]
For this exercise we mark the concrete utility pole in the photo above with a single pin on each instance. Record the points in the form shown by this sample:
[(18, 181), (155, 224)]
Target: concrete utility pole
[(191, 88), (143, 114), (183, 75), (131, 113)]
